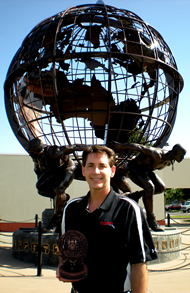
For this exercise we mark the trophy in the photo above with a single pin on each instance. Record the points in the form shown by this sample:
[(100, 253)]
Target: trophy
[(73, 247)]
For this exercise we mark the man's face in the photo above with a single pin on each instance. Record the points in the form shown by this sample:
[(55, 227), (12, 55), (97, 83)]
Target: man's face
[(98, 172)]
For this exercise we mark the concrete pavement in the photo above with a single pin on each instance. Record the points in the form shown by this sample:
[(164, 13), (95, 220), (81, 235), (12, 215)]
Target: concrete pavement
[(173, 276), (20, 277)]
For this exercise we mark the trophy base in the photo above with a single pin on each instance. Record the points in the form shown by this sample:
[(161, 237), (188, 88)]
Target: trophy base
[(77, 276)]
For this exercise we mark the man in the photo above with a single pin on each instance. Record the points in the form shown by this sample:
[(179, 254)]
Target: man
[(140, 170), (119, 240)]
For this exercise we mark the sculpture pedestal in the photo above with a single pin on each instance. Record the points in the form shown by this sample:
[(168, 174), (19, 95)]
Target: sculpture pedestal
[(25, 243), (168, 244)]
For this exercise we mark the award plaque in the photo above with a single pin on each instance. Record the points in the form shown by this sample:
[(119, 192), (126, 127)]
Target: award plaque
[(73, 247)]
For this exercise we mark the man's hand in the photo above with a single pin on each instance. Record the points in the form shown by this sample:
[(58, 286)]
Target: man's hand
[(58, 276), (62, 279), (57, 272)]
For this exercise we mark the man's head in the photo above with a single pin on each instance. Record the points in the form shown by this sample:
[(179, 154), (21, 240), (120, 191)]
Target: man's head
[(178, 152), (98, 168), (99, 150)]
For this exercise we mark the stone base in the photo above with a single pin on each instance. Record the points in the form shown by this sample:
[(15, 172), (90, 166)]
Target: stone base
[(25, 246), (25, 243), (168, 245)]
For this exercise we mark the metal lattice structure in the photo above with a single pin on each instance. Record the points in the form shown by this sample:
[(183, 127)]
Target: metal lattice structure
[(72, 245), (91, 74)]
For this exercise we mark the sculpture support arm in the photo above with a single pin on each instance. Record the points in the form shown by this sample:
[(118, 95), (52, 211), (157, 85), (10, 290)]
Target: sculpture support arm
[(71, 149), (124, 146), (148, 151)]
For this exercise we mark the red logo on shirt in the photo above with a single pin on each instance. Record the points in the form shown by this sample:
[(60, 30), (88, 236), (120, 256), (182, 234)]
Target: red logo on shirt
[(106, 223)]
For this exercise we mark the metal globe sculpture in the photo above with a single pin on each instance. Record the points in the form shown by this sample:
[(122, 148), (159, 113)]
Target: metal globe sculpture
[(92, 74)]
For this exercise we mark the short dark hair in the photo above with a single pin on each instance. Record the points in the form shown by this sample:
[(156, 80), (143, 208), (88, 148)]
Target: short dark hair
[(100, 150)]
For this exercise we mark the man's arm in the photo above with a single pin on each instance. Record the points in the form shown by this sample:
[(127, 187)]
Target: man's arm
[(139, 276)]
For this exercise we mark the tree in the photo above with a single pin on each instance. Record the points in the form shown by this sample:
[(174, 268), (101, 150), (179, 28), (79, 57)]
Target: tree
[(174, 194)]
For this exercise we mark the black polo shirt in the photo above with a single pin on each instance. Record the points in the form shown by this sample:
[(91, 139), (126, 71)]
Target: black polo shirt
[(117, 234)]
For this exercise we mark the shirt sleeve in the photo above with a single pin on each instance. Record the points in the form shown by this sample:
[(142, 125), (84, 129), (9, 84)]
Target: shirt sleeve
[(140, 243)]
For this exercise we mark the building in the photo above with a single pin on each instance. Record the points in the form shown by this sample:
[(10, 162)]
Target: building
[(20, 202)]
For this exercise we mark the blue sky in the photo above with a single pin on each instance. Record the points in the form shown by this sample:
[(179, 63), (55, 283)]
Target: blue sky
[(169, 17)]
